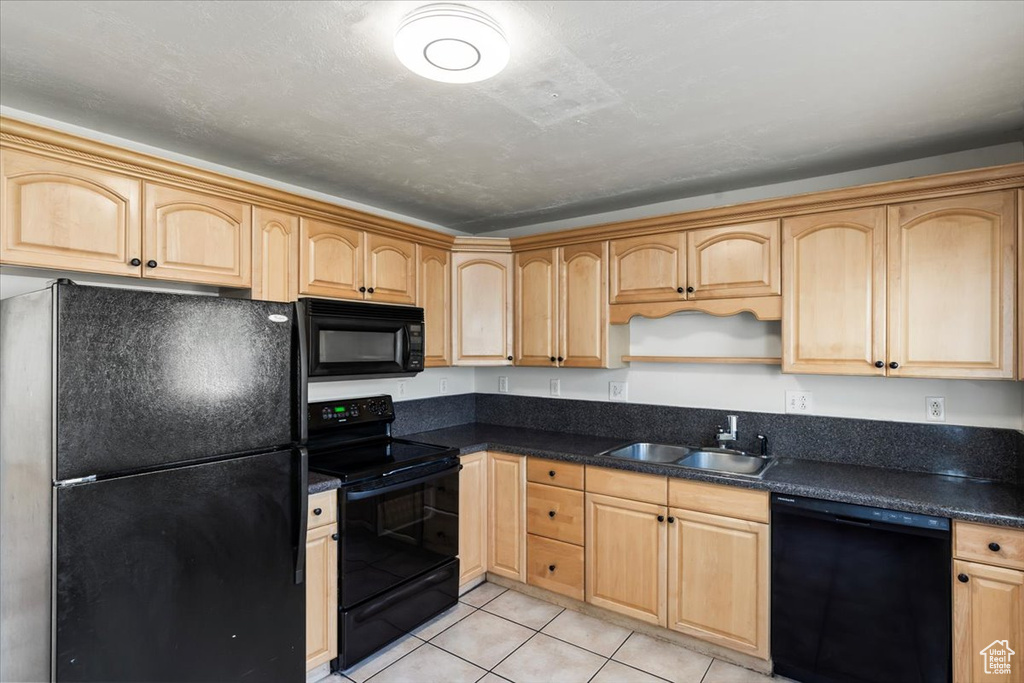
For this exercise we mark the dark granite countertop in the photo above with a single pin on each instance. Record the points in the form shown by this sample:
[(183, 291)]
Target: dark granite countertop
[(322, 482)]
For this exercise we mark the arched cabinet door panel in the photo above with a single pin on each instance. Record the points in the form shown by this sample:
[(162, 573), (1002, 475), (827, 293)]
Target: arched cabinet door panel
[(275, 255), (194, 237), (647, 269), (481, 308), (536, 308), (433, 283), (583, 306), (58, 214), (390, 270), (735, 260), (330, 260)]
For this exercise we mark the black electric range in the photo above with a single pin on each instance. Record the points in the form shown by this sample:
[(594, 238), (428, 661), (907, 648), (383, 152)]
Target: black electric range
[(398, 523)]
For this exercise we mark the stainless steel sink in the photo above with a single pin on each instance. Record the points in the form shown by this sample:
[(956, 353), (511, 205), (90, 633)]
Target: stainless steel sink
[(725, 461), (693, 457), (650, 452)]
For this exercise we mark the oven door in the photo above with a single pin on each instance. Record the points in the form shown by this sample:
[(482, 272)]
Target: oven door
[(341, 347), (396, 528)]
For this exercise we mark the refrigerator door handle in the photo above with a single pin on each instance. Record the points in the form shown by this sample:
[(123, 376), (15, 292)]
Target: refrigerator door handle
[(302, 371), (303, 494)]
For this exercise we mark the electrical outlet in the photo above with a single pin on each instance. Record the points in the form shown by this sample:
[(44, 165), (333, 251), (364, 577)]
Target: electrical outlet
[(799, 402), (618, 391), (503, 385), (936, 408), (401, 388), (443, 385), (556, 387)]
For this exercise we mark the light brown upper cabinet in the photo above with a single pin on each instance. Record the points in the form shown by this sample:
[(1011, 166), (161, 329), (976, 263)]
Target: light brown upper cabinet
[(195, 237), (481, 308), (58, 214), (733, 261), (923, 289), (275, 255), (434, 282), (338, 261), (952, 265), (390, 270), (1020, 284), (833, 320), (646, 269), (536, 307), (561, 309)]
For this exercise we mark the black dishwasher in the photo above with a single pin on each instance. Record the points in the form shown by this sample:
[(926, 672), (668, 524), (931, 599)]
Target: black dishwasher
[(859, 593)]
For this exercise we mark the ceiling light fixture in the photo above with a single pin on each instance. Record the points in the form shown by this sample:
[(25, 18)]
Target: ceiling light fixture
[(451, 43)]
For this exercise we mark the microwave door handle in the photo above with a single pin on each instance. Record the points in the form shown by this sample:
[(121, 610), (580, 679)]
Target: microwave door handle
[(405, 342), (369, 493)]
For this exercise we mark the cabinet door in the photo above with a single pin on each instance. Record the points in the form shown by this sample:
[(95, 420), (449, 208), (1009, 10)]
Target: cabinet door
[(275, 255), (645, 269), (195, 237), (321, 596), (718, 571), (330, 260), (506, 498), (583, 307), (952, 287), (626, 557), (536, 306), (1020, 284), (61, 215), (434, 283), (482, 309), (988, 610), (472, 517), (736, 260), (833, 320), (390, 270)]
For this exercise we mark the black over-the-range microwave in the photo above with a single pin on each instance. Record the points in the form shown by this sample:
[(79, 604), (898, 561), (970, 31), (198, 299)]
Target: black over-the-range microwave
[(348, 339)]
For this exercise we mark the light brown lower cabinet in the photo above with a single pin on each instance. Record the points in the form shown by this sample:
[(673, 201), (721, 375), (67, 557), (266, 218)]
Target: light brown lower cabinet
[(988, 616), (506, 508), (718, 580), (322, 583), (472, 517)]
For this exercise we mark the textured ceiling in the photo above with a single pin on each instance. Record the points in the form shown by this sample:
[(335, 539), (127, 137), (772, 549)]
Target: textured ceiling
[(604, 105)]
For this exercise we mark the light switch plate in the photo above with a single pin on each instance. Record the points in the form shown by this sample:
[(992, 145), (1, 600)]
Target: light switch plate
[(503, 385), (556, 387), (799, 402), (618, 391)]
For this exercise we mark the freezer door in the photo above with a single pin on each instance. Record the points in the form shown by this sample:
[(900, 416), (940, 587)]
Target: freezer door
[(182, 575), (147, 379)]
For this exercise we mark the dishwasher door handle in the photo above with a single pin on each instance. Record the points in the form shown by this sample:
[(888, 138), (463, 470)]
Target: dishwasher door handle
[(852, 522)]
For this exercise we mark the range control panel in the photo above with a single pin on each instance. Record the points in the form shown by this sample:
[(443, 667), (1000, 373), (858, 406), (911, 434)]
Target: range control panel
[(353, 410)]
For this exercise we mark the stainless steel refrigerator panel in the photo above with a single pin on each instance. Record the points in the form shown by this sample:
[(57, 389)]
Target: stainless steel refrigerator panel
[(26, 445)]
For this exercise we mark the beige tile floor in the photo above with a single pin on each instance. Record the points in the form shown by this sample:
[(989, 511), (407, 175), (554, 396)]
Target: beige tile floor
[(495, 636)]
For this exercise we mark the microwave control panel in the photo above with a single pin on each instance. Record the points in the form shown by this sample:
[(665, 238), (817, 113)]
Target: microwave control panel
[(347, 411), (415, 347)]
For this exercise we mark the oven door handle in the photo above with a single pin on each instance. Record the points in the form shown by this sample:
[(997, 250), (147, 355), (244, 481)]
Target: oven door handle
[(369, 493)]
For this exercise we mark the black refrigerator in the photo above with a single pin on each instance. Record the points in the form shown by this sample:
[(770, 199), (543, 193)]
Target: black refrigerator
[(152, 487)]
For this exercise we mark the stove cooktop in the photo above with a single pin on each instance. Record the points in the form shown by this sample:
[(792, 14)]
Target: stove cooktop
[(356, 462)]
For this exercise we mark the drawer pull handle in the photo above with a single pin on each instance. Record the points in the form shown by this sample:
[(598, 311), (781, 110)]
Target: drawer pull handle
[(661, 518), (671, 520), (994, 547), (962, 578), (551, 473), (551, 513), (151, 263), (317, 511), (334, 537), (135, 262), (551, 567)]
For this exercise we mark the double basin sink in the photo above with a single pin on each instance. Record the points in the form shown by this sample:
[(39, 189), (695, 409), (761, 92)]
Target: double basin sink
[(721, 460)]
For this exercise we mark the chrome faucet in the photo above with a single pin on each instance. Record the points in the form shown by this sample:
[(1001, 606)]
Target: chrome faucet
[(730, 436)]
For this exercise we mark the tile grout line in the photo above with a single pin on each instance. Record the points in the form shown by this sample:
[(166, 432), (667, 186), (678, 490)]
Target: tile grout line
[(491, 670), (707, 670), (422, 643)]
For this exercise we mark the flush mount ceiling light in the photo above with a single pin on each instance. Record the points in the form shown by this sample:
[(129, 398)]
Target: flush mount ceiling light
[(451, 43)]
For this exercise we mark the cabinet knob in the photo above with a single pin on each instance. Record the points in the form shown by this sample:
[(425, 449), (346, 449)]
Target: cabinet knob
[(135, 262), (661, 518), (671, 520), (151, 263), (362, 290), (317, 511), (552, 359), (510, 358), (690, 290), (334, 537), (551, 567), (994, 547), (551, 513), (962, 578), (560, 359), (370, 290), (894, 365), (879, 364), (551, 473), (680, 290)]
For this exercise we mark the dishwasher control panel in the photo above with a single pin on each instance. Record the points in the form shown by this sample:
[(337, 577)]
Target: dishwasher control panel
[(858, 513)]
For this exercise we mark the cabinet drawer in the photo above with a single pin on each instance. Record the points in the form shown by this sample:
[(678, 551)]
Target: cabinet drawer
[(647, 488), (554, 513), (727, 501), (554, 566), (327, 504), (989, 544), (565, 474)]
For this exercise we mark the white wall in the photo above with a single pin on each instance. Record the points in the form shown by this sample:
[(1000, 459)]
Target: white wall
[(756, 387)]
